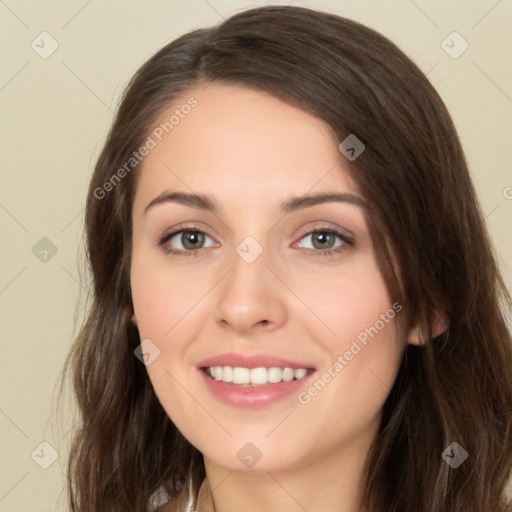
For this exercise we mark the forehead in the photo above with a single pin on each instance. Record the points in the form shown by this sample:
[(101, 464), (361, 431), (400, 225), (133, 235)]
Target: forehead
[(239, 142)]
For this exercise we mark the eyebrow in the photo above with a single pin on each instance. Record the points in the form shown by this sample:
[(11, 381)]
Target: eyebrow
[(208, 203)]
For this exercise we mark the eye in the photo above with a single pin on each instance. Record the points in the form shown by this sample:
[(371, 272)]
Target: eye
[(326, 241), (185, 240)]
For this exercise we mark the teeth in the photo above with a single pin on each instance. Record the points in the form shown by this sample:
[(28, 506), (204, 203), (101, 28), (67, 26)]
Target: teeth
[(240, 375), (300, 373), (227, 374), (258, 376), (255, 376), (288, 374)]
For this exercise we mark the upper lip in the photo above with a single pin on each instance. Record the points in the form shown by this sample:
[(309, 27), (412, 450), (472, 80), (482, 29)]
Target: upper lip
[(251, 361)]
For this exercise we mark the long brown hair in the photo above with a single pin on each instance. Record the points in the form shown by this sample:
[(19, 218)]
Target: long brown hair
[(431, 243)]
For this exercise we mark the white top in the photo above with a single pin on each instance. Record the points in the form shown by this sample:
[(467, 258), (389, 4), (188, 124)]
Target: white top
[(187, 501)]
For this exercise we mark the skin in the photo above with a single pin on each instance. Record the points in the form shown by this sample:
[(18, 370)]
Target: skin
[(251, 152)]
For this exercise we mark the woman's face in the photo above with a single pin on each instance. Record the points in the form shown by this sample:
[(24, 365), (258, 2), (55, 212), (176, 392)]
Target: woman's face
[(262, 262)]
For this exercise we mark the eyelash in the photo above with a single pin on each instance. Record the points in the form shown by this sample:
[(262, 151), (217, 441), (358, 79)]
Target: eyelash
[(347, 241)]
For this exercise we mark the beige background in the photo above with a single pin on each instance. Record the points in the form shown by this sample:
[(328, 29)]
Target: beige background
[(55, 113)]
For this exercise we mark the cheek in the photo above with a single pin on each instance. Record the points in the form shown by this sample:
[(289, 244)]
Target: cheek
[(346, 301), (361, 337), (164, 303), (162, 297)]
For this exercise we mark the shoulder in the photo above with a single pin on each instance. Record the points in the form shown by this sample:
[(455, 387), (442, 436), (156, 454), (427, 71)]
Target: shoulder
[(508, 492), (187, 500), (173, 505), (181, 502), (167, 507)]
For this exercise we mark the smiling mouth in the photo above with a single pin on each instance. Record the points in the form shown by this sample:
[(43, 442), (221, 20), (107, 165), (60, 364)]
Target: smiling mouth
[(255, 376)]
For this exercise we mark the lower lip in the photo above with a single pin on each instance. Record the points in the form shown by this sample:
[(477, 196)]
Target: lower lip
[(253, 396)]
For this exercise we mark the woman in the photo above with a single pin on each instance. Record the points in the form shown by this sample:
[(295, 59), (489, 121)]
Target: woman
[(296, 304)]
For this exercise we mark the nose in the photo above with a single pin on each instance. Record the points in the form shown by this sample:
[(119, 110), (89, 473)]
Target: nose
[(250, 298)]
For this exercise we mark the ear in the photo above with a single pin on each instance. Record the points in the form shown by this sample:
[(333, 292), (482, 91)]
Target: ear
[(134, 320), (413, 337), (439, 324)]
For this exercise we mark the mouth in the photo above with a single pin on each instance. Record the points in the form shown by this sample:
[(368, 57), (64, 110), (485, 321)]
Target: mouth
[(253, 380), (252, 377)]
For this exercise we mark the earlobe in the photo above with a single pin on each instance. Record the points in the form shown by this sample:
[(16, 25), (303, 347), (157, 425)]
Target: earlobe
[(438, 324), (414, 337), (134, 320)]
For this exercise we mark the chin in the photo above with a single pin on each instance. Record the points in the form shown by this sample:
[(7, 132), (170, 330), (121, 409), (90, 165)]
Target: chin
[(254, 456)]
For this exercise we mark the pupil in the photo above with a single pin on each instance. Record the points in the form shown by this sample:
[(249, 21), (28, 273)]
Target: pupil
[(325, 239), (192, 239)]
